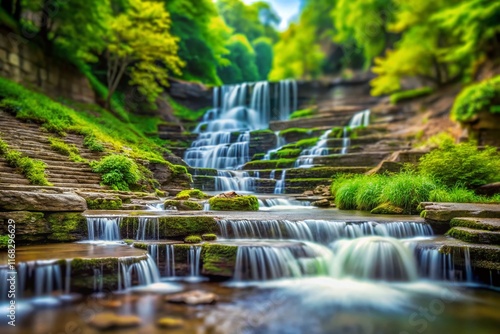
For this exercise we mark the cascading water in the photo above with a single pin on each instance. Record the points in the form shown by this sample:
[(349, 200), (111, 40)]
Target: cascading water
[(148, 228), (144, 272), (319, 231), (257, 263), (280, 142), (268, 204), (436, 265), (374, 258), (280, 184), (224, 133), (104, 228), (306, 158), (194, 255), (361, 118)]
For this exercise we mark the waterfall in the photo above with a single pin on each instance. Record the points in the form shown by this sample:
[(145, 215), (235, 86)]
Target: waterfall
[(224, 134), (361, 118), (104, 228), (234, 181), (169, 261), (156, 207), (436, 265), (148, 229), (258, 263), (194, 255), (280, 142), (374, 257), (269, 204), (320, 231), (144, 272), (280, 184), (306, 158)]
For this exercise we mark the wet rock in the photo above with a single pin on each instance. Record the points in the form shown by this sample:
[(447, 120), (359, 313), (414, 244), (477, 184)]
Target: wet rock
[(489, 189), (308, 193), (11, 200), (108, 320), (170, 323), (475, 236), (195, 297), (322, 203)]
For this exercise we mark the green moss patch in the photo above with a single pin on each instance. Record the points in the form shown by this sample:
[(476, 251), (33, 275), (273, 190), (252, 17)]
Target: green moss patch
[(191, 193), (192, 239), (183, 205), (105, 203), (387, 209), (218, 259)]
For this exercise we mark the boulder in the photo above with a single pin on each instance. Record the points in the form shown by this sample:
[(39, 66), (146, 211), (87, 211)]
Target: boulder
[(322, 203), (387, 209), (11, 200), (233, 202), (108, 320), (489, 189), (195, 297)]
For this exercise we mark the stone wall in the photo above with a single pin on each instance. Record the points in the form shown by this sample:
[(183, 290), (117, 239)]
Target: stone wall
[(24, 62)]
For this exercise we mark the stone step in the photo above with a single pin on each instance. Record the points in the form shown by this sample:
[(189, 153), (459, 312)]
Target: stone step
[(14, 180), (82, 180), (69, 166), (66, 173), (311, 122), (79, 186), (489, 224), (475, 236), (368, 159)]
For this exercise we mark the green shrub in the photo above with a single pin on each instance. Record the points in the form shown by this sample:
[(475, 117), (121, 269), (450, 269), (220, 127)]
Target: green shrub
[(209, 237), (476, 98), (32, 169), (368, 194), (118, 171), (462, 164), (303, 113), (410, 94), (91, 142), (192, 239), (237, 203), (347, 192), (61, 147), (407, 189)]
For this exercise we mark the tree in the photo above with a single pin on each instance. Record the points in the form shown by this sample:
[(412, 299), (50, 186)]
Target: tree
[(264, 56), (140, 43), (242, 61)]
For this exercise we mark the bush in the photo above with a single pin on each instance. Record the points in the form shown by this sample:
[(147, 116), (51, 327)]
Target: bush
[(461, 164), (4, 241), (410, 94), (368, 195), (91, 142), (192, 239), (476, 98), (347, 191), (407, 190), (118, 171)]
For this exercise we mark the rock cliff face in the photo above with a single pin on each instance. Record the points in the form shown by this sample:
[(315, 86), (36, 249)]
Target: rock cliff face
[(191, 95)]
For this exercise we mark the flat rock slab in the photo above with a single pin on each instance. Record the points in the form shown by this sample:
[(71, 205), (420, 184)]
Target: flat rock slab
[(444, 212), (488, 224), (11, 200), (475, 236)]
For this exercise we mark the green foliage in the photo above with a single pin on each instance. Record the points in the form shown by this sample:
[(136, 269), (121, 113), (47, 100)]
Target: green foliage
[(242, 65), (263, 56), (463, 164), (305, 143), (192, 239), (4, 241), (90, 141), (237, 203), (476, 98), (303, 113), (369, 192), (32, 169), (69, 150), (347, 193), (118, 171), (185, 114), (410, 94), (104, 204), (287, 153), (139, 42)]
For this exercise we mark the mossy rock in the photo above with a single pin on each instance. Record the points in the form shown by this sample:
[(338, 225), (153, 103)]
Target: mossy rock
[(183, 205), (192, 239), (106, 203), (218, 259), (475, 236), (191, 193), (177, 226), (209, 237), (237, 203), (387, 209)]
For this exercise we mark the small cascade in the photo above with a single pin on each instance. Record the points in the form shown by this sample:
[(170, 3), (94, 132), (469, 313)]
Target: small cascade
[(194, 255), (375, 257), (206, 206), (234, 181), (104, 228), (133, 272), (436, 265), (307, 156), (169, 261), (287, 95), (320, 231), (280, 142), (156, 206), (259, 263), (148, 229), (279, 188), (269, 204), (361, 118)]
